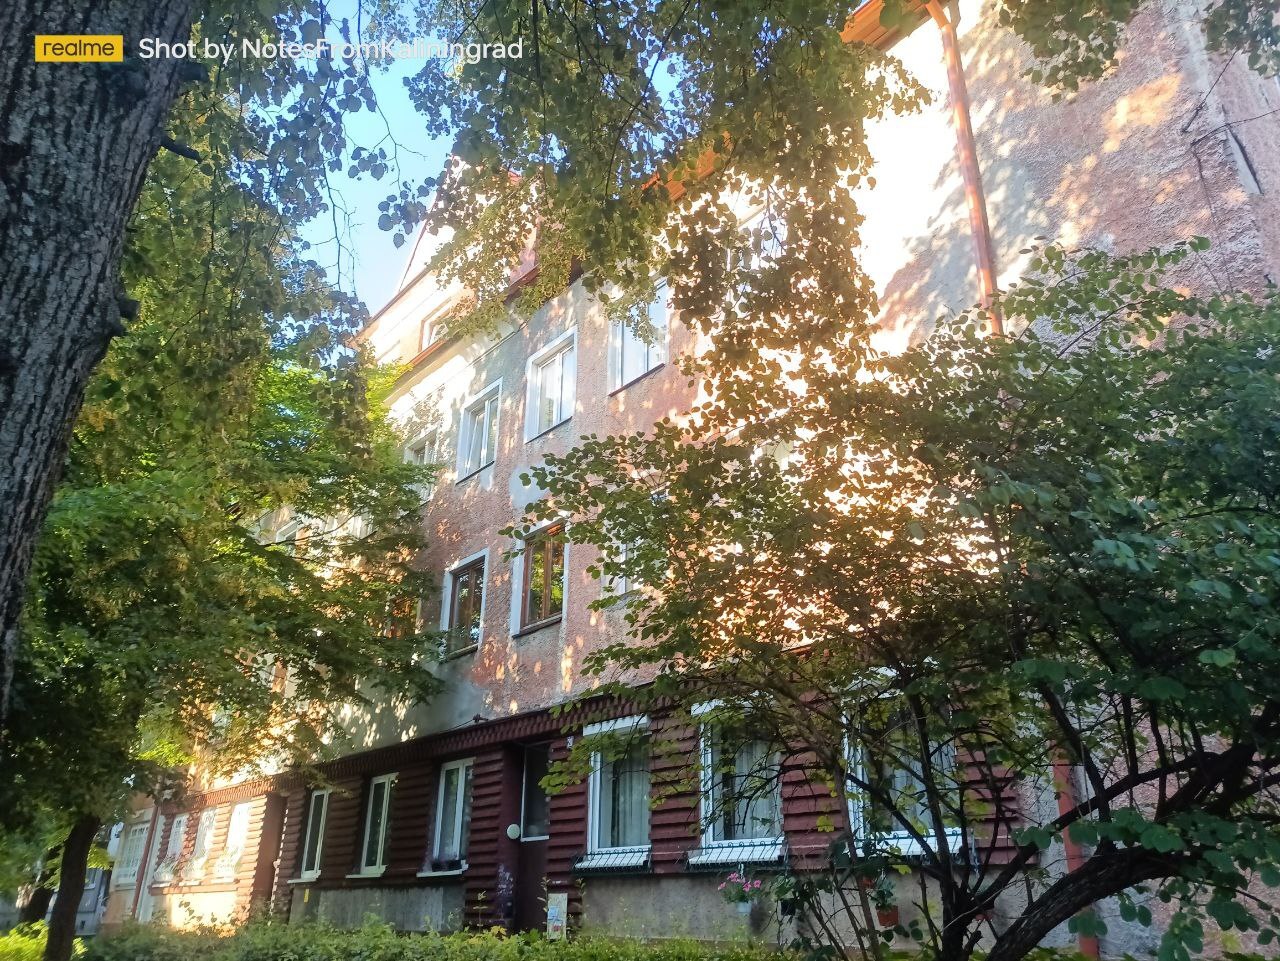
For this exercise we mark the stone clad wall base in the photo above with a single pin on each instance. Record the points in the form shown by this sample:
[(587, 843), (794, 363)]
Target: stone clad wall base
[(670, 906), (405, 909)]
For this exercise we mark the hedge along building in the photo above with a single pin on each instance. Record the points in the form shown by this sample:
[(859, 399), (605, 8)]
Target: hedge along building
[(435, 818)]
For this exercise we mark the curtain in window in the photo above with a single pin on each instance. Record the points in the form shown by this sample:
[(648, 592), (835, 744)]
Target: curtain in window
[(624, 802)]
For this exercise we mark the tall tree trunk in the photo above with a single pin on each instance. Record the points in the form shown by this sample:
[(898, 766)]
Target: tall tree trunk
[(75, 864), (75, 142)]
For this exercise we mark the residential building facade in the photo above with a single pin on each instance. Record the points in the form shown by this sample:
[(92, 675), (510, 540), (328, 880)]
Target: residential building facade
[(435, 819)]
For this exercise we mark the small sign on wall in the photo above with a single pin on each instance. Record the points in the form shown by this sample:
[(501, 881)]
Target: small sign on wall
[(557, 915)]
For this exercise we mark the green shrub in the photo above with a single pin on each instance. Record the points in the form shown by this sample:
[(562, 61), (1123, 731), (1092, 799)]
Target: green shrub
[(26, 943), (377, 942)]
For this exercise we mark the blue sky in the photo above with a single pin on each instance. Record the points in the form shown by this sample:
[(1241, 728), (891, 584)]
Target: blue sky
[(370, 263)]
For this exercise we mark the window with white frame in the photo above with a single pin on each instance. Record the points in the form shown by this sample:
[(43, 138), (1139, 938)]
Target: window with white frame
[(552, 375), (313, 843), (432, 330), (741, 804), (131, 853), (464, 610), (194, 869), (173, 850), (633, 353), (453, 816), (478, 432), (621, 584), (618, 795), (373, 853), (421, 452), (177, 838), (890, 762), (740, 794), (233, 846)]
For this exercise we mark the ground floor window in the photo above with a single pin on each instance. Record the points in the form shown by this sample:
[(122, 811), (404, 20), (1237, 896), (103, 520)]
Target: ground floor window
[(373, 859), (453, 815), (741, 804), (313, 846), (889, 760), (618, 795)]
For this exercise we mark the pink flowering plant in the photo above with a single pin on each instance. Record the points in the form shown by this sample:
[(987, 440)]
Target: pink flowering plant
[(740, 888)]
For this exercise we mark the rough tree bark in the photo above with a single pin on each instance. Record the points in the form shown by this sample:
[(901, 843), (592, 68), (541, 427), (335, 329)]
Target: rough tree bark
[(1105, 874), (75, 861), (75, 142)]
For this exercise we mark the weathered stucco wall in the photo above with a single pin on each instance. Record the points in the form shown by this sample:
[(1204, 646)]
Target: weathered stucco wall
[(1140, 158)]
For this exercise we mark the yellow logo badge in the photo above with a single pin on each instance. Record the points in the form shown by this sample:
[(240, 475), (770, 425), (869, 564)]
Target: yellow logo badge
[(79, 48)]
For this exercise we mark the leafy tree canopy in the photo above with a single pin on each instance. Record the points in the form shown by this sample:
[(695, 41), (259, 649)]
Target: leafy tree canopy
[(162, 620), (984, 556)]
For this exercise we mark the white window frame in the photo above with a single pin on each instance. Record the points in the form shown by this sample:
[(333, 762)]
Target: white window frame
[(598, 854), (461, 766), (193, 872), (177, 837), (619, 586), (303, 873), (429, 442), (131, 856), (712, 850), (168, 864), (480, 399), (446, 603), (234, 842), (618, 337), (376, 870), (533, 383), (902, 842)]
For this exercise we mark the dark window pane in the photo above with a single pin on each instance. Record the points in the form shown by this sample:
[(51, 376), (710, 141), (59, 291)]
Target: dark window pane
[(535, 819), (377, 815)]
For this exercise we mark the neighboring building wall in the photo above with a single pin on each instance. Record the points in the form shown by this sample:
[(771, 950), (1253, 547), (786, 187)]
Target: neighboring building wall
[(1165, 149)]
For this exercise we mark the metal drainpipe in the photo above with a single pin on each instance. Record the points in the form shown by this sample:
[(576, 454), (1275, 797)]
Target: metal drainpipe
[(971, 172), (1064, 778)]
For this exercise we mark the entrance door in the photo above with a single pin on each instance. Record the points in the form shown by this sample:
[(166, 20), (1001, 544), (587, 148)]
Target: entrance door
[(530, 906)]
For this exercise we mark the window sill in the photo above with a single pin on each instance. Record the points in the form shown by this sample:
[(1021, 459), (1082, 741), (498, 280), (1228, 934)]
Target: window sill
[(309, 879), (613, 859), (635, 380), (534, 628), (547, 430), (372, 873), (459, 653), (451, 873), (761, 851), (904, 845), (470, 474)]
